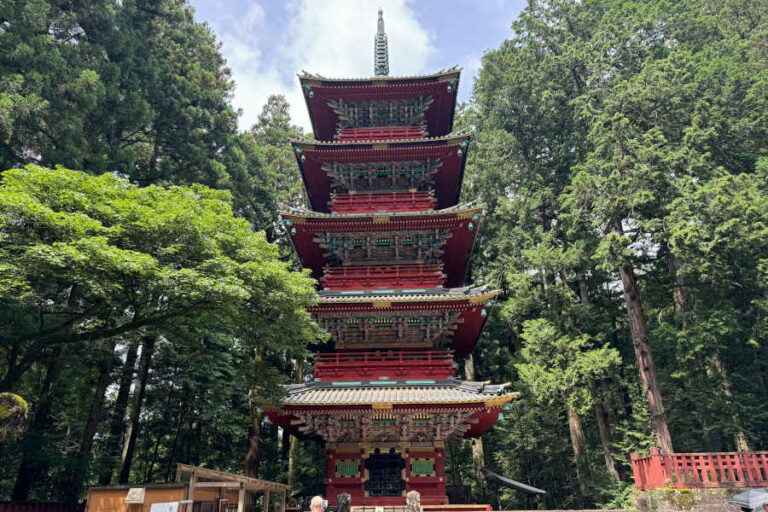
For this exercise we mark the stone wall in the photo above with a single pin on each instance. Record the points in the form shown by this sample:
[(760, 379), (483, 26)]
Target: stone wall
[(685, 500)]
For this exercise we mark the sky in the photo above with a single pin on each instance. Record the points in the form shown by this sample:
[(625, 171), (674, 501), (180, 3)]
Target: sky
[(267, 42)]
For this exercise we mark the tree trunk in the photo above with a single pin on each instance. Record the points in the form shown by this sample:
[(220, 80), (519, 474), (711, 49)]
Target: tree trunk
[(645, 365), (293, 440), (725, 388), (292, 459), (605, 433), (254, 440), (139, 388), (34, 461), (579, 445), (478, 451), (679, 295), (94, 416), (180, 424), (681, 307), (158, 438), (117, 425)]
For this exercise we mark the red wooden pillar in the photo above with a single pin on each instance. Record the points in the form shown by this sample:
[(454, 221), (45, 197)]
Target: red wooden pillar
[(638, 471), (655, 468)]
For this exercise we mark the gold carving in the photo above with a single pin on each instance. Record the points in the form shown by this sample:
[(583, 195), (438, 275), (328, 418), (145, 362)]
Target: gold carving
[(380, 219), (498, 401), (467, 214)]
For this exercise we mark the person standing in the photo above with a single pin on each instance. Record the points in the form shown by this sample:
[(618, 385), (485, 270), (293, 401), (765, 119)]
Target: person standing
[(317, 504)]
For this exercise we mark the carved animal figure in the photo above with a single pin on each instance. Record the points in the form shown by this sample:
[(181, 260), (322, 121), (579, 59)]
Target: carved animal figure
[(345, 502), (413, 502)]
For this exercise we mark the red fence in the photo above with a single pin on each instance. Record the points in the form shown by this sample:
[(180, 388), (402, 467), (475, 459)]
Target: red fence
[(39, 506), (437, 364), (370, 277), (692, 470), (380, 133), (399, 357), (390, 202)]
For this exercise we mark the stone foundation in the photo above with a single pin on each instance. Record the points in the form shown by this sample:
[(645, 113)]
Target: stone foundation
[(685, 500)]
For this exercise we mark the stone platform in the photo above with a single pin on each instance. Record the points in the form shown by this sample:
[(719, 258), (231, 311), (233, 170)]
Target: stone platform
[(685, 500)]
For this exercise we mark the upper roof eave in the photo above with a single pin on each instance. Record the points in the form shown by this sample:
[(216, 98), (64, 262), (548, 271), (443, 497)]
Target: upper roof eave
[(475, 294), (448, 392), (303, 214), (310, 144), (444, 73)]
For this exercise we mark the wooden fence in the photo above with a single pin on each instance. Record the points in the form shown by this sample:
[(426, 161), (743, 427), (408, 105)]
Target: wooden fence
[(695, 470)]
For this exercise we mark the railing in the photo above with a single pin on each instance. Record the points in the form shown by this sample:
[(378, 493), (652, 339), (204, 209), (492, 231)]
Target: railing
[(391, 276), (382, 202), (399, 357), (380, 133), (393, 365), (692, 470)]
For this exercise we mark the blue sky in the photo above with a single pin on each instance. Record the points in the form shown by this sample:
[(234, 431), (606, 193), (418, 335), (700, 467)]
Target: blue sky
[(266, 42)]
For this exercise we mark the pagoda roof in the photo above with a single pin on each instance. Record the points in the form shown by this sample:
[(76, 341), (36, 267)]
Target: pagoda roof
[(401, 393), (471, 305), (459, 223), (319, 91), (447, 179), (442, 74), (430, 295)]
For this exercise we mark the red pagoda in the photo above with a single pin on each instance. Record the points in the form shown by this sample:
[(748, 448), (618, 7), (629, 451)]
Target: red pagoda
[(389, 245)]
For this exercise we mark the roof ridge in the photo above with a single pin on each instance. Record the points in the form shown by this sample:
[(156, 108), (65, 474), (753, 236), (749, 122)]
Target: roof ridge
[(305, 75), (286, 209), (453, 135)]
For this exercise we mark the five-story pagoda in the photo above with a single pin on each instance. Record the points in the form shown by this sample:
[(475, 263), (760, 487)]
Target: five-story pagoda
[(389, 244)]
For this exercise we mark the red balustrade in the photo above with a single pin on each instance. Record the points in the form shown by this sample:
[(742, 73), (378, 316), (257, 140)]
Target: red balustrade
[(693, 470), (374, 277), (435, 364), (372, 202), (380, 133)]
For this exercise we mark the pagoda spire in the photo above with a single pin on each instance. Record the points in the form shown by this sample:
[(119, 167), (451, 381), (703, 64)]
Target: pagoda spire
[(381, 50)]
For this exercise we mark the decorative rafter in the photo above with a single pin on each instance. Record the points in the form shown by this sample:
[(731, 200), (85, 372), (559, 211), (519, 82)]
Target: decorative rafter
[(385, 247), (412, 329), (380, 113), (382, 176), (385, 426)]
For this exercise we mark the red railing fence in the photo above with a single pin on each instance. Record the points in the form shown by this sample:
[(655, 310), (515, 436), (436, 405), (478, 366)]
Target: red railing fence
[(386, 357), (372, 202), (380, 132), (696, 470)]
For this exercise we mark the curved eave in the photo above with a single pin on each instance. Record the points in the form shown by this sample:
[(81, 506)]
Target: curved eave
[(473, 310), (475, 296), (445, 74), (318, 91), (494, 403), (299, 216), (462, 223), (379, 144), (451, 150), (390, 394)]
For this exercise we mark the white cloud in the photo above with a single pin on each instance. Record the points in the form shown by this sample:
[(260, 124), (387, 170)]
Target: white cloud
[(333, 38)]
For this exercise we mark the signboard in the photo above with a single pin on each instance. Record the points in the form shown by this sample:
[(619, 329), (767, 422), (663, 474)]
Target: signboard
[(135, 495)]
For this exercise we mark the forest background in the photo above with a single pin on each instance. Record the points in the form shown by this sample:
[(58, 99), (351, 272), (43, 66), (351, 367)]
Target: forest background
[(150, 302)]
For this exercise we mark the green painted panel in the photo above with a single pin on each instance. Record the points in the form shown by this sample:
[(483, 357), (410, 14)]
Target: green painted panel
[(422, 467), (347, 468)]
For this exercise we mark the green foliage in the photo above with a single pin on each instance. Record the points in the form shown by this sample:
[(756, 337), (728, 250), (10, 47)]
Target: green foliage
[(614, 133), (96, 258), (558, 367), (14, 416)]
